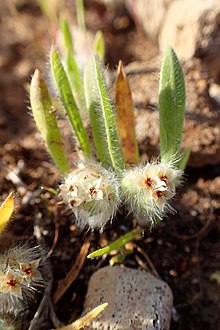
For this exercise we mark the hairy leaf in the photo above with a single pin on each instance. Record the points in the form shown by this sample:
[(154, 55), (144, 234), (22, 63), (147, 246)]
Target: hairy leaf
[(45, 119), (171, 106), (75, 81), (108, 115), (95, 113), (69, 103)]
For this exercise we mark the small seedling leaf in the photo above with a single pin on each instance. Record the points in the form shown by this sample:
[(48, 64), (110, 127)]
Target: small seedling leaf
[(99, 45), (120, 242), (6, 210), (69, 103), (45, 119), (171, 106), (125, 118), (86, 319)]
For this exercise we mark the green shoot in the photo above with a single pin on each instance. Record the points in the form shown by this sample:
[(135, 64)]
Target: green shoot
[(171, 106), (66, 33), (75, 81), (46, 122), (69, 103), (119, 243), (80, 14)]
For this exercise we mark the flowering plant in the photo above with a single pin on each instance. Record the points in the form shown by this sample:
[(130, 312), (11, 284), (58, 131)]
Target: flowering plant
[(109, 174)]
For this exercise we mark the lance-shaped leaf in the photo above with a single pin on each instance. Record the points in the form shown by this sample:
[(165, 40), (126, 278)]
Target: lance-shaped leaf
[(119, 243), (75, 81), (95, 113), (69, 103), (99, 45), (45, 119), (171, 106), (86, 319), (125, 117), (102, 116), (66, 33), (6, 211)]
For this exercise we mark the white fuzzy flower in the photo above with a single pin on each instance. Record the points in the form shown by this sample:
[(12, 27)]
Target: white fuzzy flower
[(20, 277), (92, 193), (147, 189)]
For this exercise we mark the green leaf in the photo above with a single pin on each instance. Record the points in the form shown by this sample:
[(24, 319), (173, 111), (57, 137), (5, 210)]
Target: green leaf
[(133, 234), (96, 117), (69, 103), (108, 115), (184, 159), (75, 81), (171, 106), (66, 33), (99, 45), (80, 14), (45, 119), (102, 116), (50, 9)]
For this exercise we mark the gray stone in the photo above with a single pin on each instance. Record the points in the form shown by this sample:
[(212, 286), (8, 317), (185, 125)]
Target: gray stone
[(137, 300), (193, 30)]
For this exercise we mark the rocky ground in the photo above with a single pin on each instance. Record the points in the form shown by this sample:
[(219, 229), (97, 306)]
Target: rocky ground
[(184, 249)]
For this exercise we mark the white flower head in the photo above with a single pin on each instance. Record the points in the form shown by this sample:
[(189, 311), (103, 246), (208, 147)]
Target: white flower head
[(21, 269), (147, 190), (92, 193)]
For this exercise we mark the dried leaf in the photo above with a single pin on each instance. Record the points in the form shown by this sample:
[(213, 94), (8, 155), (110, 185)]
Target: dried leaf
[(83, 321), (125, 118)]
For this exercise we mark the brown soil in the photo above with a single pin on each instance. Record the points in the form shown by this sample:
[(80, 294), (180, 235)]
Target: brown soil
[(184, 248)]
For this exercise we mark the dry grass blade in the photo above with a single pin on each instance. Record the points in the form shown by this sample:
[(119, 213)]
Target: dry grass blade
[(64, 285), (125, 117), (83, 321)]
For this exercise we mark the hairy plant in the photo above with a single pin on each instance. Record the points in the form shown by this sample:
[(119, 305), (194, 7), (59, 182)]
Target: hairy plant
[(22, 274), (110, 174)]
